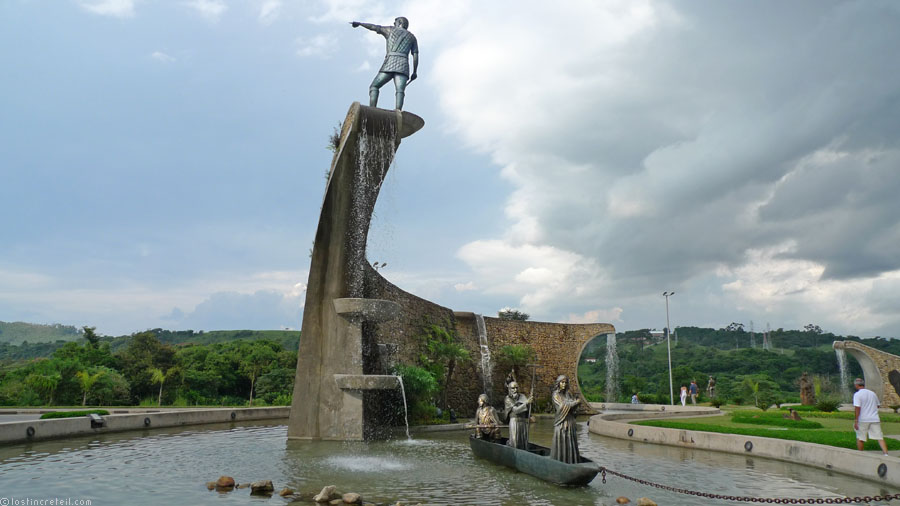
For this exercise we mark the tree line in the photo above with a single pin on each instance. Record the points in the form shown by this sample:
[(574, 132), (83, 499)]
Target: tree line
[(147, 371)]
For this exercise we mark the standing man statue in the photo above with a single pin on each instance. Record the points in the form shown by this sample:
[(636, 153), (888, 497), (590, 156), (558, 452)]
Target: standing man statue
[(400, 43), (516, 411), (711, 387)]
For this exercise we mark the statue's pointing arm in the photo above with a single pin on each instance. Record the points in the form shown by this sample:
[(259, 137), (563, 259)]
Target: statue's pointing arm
[(368, 26)]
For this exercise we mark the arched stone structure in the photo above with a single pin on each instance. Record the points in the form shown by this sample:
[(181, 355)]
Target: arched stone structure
[(877, 367), (357, 325)]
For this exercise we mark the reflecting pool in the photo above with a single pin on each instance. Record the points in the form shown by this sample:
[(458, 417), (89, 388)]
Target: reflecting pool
[(172, 466)]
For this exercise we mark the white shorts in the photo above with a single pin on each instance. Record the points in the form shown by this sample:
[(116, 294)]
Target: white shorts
[(873, 429)]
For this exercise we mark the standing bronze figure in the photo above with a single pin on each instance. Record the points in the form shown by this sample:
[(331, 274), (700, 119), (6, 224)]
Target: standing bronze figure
[(486, 420), (400, 44), (565, 439), (516, 412)]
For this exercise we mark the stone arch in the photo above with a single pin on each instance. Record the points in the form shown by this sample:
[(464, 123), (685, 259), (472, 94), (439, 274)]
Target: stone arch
[(877, 366)]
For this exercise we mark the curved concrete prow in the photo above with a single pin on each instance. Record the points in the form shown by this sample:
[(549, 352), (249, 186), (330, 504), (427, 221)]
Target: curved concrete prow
[(336, 309), (877, 367)]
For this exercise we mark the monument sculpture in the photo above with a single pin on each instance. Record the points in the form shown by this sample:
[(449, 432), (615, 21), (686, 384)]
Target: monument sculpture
[(487, 423), (400, 44), (358, 328), (711, 388), (516, 412), (807, 392), (565, 439)]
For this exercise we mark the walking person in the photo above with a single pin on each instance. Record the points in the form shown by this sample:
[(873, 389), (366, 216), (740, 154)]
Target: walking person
[(683, 395), (694, 390), (867, 423)]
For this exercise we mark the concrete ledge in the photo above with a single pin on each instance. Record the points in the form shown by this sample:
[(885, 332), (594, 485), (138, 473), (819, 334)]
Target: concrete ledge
[(869, 466), (370, 310), (35, 430), (656, 408), (366, 382)]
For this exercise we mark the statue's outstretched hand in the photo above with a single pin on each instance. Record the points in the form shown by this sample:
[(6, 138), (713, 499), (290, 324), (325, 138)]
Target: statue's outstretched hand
[(354, 24), (413, 77)]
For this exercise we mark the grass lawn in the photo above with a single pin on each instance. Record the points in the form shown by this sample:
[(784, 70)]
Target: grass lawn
[(834, 432)]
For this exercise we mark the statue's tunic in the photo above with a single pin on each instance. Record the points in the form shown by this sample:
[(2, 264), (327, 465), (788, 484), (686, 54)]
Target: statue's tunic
[(400, 43), (486, 418), (565, 440), (517, 413)]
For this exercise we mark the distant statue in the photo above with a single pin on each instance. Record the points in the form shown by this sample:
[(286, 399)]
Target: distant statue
[(565, 440), (486, 420), (711, 387), (400, 43), (807, 391), (516, 412), (792, 415)]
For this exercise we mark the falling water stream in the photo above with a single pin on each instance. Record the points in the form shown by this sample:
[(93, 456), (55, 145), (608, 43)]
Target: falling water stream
[(486, 367), (845, 374), (612, 368), (405, 409)]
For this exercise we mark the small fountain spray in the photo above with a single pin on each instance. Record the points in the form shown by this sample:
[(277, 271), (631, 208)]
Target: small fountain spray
[(612, 368)]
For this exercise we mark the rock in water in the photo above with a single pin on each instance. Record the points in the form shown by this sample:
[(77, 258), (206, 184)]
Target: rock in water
[(325, 494), (262, 487), (210, 485), (352, 498), (285, 492), (623, 500), (225, 482), (643, 501)]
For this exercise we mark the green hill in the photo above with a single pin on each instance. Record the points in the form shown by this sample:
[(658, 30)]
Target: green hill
[(20, 332), (33, 347)]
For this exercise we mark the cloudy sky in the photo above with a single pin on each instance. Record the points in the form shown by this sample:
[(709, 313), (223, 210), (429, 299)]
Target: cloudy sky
[(162, 161)]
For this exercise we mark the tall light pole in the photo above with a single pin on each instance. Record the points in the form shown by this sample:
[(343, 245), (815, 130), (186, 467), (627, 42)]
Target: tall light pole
[(669, 348)]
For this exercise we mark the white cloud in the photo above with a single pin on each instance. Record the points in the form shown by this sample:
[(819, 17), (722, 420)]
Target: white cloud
[(269, 11), (465, 287), (162, 57), (773, 159), (211, 10), (113, 8), (596, 316), (321, 46)]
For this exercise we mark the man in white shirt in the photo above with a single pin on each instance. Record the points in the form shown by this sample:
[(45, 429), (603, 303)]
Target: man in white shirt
[(867, 423)]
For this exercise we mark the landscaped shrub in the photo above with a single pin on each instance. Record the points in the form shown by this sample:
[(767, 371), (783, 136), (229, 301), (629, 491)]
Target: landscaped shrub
[(73, 414), (764, 400), (827, 405), (717, 402)]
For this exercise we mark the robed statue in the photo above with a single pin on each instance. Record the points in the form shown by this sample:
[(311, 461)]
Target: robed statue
[(487, 421), (400, 44), (565, 439), (516, 411)]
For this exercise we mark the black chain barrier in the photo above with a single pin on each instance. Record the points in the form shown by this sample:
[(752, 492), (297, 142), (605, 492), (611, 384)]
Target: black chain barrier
[(738, 498)]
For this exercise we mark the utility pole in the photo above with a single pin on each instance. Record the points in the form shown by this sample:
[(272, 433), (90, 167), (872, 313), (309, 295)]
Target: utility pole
[(669, 349)]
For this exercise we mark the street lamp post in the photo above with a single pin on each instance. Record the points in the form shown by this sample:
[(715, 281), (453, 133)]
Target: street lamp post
[(669, 348)]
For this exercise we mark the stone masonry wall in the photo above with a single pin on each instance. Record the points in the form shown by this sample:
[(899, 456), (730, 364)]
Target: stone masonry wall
[(557, 346), (885, 362)]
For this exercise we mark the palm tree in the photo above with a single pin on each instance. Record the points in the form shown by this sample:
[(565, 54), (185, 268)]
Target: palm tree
[(255, 362), (517, 356), (45, 383), (87, 381), (158, 376)]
